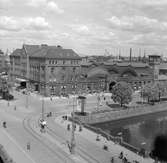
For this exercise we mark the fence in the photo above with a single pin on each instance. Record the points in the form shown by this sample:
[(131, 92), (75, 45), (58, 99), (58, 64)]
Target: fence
[(121, 114)]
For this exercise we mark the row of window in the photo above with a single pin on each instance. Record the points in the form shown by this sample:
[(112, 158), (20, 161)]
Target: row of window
[(63, 62), (63, 68)]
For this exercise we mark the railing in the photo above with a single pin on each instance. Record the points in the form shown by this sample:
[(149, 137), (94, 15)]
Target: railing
[(116, 115), (115, 139)]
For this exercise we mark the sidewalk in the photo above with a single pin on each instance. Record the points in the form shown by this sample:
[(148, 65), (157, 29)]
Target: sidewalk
[(13, 149), (113, 149)]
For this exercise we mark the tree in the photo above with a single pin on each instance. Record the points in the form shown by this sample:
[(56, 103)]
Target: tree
[(151, 92), (122, 93), (162, 89)]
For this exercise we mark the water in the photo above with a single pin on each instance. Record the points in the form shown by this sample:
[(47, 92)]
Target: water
[(139, 131)]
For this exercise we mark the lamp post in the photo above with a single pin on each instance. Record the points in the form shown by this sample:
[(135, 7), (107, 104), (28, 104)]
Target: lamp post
[(43, 123), (98, 101), (27, 92), (73, 143)]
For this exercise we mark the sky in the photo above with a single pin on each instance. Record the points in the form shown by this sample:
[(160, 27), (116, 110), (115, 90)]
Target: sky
[(90, 27)]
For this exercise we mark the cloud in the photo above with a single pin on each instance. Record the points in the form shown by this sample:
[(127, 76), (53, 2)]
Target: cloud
[(80, 28), (37, 23), (9, 23), (5, 3), (52, 6), (26, 23), (44, 4), (138, 24), (36, 3), (149, 39)]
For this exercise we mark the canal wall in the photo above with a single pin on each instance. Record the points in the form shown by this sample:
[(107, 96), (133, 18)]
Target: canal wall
[(102, 117)]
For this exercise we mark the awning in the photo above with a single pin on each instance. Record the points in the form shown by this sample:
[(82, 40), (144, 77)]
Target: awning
[(21, 80)]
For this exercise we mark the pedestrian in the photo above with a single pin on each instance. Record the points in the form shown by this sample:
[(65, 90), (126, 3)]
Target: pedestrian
[(121, 155), (80, 128), (28, 146), (112, 159), (97, 138), (68, 127)]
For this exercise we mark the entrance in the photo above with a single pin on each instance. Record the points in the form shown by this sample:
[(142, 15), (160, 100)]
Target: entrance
[(36, 87), (23, 84), (111, 85)]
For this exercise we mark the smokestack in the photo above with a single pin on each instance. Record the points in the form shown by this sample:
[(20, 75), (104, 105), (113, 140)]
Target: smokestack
[(130, 58), (119, 53)]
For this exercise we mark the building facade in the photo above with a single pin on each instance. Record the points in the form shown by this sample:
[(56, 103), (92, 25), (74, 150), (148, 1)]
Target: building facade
[(106, 74), (4, 62), (51, 70)]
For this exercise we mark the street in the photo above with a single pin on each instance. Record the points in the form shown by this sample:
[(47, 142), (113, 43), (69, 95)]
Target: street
[(51, 146)]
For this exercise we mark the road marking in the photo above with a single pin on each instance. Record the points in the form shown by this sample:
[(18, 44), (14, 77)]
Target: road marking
[(18, 146)]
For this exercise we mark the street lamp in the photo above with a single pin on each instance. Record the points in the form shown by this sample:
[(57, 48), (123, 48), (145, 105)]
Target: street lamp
[(43, 123), (27, 92), (73, 143)]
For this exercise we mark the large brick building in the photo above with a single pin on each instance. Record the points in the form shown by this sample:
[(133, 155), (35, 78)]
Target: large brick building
[(47, 69), (53, 70), (105, 75)]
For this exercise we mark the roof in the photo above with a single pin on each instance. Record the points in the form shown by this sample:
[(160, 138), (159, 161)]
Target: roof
[(125, 64), (47, 52), (52, 52), (17, 52), (162, 66), (97, 72)]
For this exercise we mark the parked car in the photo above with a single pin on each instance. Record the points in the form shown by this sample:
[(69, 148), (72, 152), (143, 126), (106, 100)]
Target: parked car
[(8, 97)]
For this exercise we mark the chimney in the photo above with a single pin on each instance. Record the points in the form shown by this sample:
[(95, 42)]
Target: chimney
[(58, 46), (130, 57)]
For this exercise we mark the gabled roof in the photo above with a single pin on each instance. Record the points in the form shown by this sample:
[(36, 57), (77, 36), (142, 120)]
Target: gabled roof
[(31, 49), (16, 52), (52, 52), (45, 51)]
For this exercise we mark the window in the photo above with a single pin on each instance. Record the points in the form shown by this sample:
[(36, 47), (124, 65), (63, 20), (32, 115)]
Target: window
[(55, 61), (63, 77), (74, 68), (52, 69), (52, 62), (49, 61), (64, 62)]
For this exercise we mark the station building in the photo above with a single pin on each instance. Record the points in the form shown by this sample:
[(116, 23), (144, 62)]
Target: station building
[(53, 70), (50, 70), (103, 76)]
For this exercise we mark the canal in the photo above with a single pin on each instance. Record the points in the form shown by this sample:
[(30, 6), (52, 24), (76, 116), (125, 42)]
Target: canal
[(138, 131)]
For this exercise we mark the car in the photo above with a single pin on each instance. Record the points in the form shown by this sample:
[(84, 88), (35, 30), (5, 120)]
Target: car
[(9, 97)]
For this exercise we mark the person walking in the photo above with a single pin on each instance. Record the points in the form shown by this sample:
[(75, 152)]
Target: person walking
[(112, 159)]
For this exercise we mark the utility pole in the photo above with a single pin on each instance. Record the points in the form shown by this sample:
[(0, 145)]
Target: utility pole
[(73, 143), (27, 95), (27, 75), (43, 123), (43, 107)]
